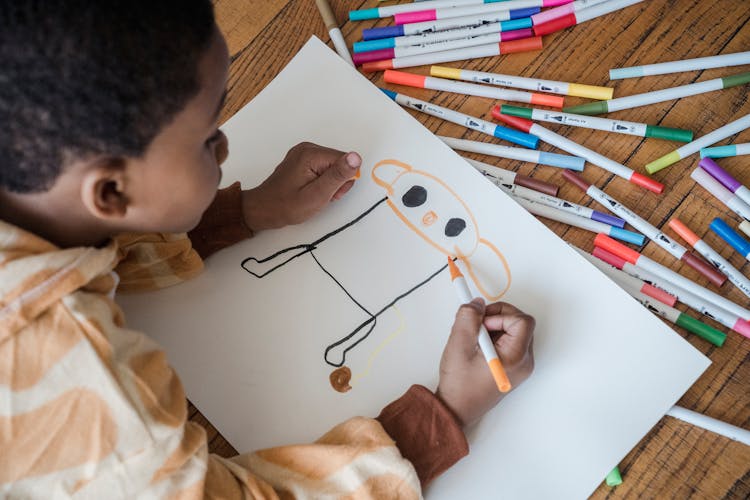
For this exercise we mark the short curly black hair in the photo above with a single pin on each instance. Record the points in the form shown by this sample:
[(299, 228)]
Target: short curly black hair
[(80, 78)]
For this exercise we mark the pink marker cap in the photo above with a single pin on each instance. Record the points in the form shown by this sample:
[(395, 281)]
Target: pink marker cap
[(549, 15), (418, 16), (742, 327)]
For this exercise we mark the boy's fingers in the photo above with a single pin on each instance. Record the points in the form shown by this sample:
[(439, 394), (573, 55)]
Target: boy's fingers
[(341, 171), (343, 190), (466, 327), (517, 336), (501, 308)]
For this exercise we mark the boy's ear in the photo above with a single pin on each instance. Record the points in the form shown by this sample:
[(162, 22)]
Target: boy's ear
[(104, 189)]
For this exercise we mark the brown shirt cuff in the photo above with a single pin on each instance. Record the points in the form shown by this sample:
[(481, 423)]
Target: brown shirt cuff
[(425, 431), (222, 224)]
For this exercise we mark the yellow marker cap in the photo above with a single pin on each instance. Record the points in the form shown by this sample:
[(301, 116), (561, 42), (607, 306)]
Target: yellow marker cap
[(663, 162), (591, 91), (443, 72)]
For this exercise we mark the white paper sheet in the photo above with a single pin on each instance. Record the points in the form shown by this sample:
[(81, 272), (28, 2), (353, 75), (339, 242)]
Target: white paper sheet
[(251, 351)]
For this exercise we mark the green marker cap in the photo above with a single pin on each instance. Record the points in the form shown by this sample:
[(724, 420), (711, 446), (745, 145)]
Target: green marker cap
[(590, 108), (614, 478), (670, 134), (663, 162), (734, 80), (507, 109), (701, 329)]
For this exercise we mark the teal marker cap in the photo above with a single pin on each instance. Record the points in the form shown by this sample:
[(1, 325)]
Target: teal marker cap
[(614, 478), (627, 236), (670, 134), (620, 73), (507, 109), (719, 151), (701, 329), (516, 24), (361, 15), (734, 80), (590, 108)]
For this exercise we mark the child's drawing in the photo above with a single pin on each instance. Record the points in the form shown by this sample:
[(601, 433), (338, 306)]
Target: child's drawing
[(428, 207)]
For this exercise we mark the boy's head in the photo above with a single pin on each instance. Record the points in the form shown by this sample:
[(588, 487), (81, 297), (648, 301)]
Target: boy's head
[(113, 105)]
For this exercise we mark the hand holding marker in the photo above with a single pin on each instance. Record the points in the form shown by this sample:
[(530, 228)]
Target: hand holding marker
[(485, 342)]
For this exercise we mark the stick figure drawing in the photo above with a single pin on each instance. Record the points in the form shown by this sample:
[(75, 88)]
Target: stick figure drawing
[(429, 208)]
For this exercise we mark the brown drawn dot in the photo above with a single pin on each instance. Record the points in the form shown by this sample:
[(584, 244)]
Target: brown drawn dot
[(340, 378)]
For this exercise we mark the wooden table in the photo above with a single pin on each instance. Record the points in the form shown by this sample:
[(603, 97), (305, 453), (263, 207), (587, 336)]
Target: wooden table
[(675, 459)]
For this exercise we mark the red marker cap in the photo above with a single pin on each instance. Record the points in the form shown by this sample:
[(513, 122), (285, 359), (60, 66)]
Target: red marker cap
[(514, 121), (555, 25), (647, 182), (521, 45), (576, 179), (658, 294), (402, 78), (608, 257), (612, 246)]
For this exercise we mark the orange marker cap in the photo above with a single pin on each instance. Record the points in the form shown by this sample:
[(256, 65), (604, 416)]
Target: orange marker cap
[(402, 78), (498, 373), (373, 66), (612, 246), (521, 45), (553, 101), (684, 231)]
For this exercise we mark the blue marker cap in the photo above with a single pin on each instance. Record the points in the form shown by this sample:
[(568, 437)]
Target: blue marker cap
[(607, 219), (519, 13), (562, 161), (729, 235), (627, 236), (719, 151), (516, 24), (379, 44), (631, 72), (383, 32), (389, 93), (361, 15), (516, 137)]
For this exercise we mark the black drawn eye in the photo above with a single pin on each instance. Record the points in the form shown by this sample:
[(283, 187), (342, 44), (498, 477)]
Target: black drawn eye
[(454, 227), (415, 196)]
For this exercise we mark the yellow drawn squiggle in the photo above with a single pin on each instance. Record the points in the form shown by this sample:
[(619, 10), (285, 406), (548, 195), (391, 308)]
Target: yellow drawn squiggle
[(386, 341)]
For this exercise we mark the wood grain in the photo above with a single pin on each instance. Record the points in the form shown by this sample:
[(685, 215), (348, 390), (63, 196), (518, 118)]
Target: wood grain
[(675, 459)]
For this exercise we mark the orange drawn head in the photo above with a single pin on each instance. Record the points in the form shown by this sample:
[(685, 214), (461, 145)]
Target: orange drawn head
[(434, 211)]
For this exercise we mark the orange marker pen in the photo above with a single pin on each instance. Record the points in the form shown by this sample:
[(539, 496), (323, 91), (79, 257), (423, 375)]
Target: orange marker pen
[(485, 342)]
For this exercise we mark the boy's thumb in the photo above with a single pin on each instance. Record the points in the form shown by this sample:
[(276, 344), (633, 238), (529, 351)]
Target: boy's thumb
[(465, 331), (344, 169)]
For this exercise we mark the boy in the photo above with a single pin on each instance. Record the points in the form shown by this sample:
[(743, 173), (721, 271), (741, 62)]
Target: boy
[(109, 111)]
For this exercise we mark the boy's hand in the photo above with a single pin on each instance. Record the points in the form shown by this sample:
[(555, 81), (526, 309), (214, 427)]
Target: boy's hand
[(309, 177), (466, 385)]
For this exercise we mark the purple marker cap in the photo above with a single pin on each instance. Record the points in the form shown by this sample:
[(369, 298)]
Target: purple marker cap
[(720, 174), (384, 32), (608, 219)]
